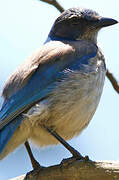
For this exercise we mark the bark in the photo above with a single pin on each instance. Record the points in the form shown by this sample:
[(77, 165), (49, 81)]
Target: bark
[(76, 170), (55, 4), (113, 81)]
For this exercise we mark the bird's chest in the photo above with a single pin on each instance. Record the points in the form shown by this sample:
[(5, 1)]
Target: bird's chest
[(75, 100), (71, 105)]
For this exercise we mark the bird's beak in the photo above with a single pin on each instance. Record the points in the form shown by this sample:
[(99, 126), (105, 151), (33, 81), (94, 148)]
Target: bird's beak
[(104, 22)]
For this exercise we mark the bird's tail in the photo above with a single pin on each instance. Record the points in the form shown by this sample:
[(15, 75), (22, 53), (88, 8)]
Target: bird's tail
[(6, 134)]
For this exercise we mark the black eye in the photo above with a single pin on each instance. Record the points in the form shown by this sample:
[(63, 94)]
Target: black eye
[(91, 18), (74, 20)]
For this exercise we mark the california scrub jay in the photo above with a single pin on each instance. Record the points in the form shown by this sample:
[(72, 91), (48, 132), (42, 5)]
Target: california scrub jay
[(55, 92)]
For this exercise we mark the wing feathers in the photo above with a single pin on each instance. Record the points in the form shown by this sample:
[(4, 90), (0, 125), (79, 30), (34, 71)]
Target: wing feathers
[(44, 55), (37, 76)]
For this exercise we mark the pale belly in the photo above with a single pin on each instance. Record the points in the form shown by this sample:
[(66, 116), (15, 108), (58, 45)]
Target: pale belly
[(68, 110)]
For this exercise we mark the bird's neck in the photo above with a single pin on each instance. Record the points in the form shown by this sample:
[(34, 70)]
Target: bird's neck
[(88, 36), (82, 38), (50, 38)]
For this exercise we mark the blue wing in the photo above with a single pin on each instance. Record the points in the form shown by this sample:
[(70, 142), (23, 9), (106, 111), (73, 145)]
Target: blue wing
[(38, 87)]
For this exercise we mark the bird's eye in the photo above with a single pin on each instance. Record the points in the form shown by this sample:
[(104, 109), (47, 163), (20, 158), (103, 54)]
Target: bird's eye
[(90, 18), (74, 21)]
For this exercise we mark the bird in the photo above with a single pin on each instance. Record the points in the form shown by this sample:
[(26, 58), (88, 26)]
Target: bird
[(52, 96)]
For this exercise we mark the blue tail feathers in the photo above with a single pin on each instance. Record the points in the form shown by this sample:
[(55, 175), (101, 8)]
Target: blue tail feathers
[(7, 132)]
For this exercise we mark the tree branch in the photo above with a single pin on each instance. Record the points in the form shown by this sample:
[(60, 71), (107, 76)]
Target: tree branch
[(113, 81), (55, 4), (76, 170)]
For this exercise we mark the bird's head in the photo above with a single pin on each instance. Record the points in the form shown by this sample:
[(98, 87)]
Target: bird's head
[(78, 24)]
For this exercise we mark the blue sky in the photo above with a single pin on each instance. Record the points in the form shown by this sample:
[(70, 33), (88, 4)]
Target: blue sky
[(24, 27)]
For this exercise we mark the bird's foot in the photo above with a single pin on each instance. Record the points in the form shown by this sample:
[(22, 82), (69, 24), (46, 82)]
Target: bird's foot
[(35, 164), (77, 156), (37, 167)]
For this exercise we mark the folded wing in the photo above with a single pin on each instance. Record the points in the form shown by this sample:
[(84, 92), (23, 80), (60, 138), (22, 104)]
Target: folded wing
[(35, 79)]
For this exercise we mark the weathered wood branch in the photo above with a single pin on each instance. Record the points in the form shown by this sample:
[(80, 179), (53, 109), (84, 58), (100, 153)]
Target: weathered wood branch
[(55, 4), (76, 170), (113, 81)]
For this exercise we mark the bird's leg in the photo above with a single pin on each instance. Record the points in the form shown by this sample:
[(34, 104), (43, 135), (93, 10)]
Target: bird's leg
[(34, 163), (73, 151)]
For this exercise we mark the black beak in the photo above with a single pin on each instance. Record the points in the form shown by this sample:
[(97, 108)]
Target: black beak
[(104, 22)]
